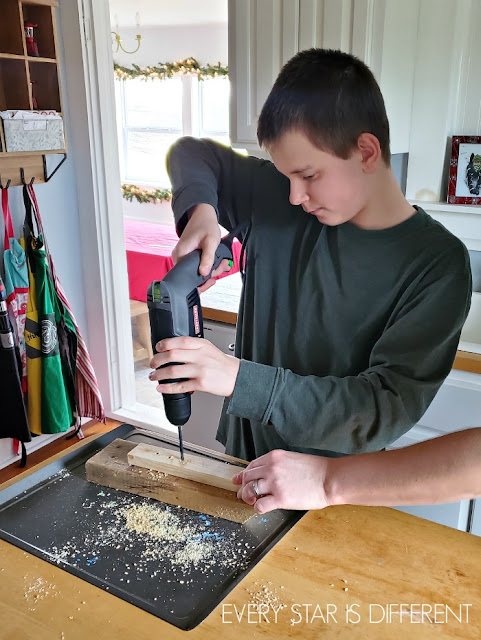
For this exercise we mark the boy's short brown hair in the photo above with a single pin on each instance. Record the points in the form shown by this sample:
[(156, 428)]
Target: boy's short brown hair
[(329, 95)]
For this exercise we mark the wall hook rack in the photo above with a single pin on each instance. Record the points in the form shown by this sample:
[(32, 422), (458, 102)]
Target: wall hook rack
[(18, 171), (7, 185), (22, 178)]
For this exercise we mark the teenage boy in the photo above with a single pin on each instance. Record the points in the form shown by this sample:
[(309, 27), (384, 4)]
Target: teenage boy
[(353, 300)]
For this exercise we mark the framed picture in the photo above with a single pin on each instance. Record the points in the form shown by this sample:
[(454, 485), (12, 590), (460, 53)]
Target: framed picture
[(465, 170)]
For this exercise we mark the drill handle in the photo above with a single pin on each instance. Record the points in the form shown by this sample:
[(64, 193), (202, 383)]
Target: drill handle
[(185, 275)]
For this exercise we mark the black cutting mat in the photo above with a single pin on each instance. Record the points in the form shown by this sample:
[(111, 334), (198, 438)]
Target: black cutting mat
[(179, 571)]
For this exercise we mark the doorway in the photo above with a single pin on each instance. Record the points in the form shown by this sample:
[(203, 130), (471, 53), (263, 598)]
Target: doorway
[(151, 113)]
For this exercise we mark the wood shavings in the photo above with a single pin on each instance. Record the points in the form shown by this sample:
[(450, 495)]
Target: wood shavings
[(37, 590), (264, 594), (160, 535), (155, 475)]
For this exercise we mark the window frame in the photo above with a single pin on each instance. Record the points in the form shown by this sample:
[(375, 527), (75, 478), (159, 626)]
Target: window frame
[(192, 103)]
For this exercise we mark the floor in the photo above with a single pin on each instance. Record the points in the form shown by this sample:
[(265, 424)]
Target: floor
[(145, 389)]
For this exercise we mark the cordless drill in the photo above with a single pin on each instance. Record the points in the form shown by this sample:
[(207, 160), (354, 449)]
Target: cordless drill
[(174, 310)]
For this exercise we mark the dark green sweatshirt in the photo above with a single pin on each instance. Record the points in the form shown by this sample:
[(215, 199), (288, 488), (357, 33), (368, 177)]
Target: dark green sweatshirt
[(345, 335)]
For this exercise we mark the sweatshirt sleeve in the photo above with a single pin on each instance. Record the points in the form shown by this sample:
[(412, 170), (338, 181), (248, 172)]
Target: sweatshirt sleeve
[(203, 171), (368, 411)]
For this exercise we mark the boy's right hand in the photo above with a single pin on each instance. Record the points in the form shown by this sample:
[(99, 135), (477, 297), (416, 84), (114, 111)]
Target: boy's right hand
[(201, 232)]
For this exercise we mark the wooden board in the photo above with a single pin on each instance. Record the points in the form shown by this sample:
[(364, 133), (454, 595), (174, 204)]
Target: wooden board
[(110, 468), (194, 467)]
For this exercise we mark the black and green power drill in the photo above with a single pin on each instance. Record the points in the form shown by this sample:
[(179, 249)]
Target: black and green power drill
[(175, 310)]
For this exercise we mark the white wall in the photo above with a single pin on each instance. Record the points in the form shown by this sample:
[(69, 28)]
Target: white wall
[(160, 213), (207, 43), (447, 92)]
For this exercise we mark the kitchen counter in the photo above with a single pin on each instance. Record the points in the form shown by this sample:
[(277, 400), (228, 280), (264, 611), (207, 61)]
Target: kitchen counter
[(221, 302), (369, 559)]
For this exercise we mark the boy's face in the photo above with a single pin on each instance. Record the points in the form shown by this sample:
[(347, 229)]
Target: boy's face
[(326, 186)]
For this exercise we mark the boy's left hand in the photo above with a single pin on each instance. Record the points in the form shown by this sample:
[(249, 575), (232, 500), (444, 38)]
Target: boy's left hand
[(285, 480), (206, 367)]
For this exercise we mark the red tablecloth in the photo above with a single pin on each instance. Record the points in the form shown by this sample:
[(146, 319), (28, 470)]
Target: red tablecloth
[(149, 247)]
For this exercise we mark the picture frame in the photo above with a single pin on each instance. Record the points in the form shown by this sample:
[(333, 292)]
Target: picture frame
[(464, 185)]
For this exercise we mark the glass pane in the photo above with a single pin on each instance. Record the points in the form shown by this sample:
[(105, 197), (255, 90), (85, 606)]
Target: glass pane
[(215, 108), (146, 153), (156, 103)]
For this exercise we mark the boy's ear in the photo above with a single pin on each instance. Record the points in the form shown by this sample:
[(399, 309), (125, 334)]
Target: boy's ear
[(370, 149)]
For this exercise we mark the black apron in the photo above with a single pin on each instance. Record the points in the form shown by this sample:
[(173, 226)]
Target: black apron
[(13, 416)]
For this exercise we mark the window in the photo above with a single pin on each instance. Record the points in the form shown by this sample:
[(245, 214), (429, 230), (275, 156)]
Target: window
[(152, 115)]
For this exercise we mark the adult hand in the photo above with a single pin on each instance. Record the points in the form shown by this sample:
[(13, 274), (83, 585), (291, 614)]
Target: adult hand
[(205, 367), (285, 480), (202, 232)]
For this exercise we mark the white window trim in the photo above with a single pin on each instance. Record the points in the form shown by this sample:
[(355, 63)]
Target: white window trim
[(92, 103), (86, 25)]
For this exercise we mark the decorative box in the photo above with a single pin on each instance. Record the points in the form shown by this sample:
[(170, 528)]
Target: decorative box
[(32, 132)]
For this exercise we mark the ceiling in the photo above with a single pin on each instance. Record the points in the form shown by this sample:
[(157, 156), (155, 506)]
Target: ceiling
[(167, 12)]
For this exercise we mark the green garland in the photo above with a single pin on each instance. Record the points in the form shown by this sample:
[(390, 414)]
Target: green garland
[(130, 191), (161, 71), (170, 69)]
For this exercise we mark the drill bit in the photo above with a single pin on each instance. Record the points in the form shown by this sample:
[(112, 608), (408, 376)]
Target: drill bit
[(181, 443)]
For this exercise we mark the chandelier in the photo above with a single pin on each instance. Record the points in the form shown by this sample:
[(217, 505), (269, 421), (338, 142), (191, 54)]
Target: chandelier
[(117, 41)]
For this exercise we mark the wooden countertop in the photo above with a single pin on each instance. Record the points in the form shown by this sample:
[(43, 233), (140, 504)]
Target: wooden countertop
[(365, 558), (221, 301)]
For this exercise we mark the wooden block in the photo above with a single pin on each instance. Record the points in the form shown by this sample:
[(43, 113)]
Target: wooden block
[(194, 467), (110, 468)]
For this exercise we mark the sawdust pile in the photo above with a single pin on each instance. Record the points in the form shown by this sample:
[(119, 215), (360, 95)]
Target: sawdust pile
[(166, 527), (163, 539)]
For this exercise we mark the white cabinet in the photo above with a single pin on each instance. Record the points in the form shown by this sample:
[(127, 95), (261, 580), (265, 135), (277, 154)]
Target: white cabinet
[(456, 406), (455, 514), (264, 34)]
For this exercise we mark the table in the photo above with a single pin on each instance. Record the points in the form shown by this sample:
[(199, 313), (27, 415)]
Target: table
[(149, 247), (364, 559)]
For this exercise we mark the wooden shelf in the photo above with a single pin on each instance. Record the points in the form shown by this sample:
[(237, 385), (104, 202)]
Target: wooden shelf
[(43, 3), (467, 361), (24, 154), (12, 39), (41, 15), (27, 82), (44, 84), (14, 92), (11, 56), (448, 207), (37, 59)]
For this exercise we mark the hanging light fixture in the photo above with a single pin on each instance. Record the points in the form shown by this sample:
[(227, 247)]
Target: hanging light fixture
[(117, 41)]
